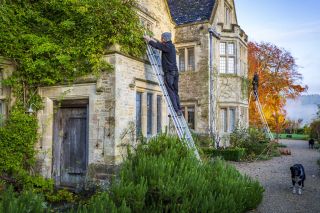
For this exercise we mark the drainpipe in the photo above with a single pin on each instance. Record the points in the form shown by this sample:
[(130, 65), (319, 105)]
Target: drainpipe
[(212, 127)]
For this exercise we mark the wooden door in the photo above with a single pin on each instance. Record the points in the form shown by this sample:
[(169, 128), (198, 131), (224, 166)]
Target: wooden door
[(70, 146)]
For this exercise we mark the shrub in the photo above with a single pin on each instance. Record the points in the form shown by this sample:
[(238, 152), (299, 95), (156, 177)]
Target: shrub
[(255, 143), (315, 129), (27, 201), (164, 176), (203, 140), (232, 154)]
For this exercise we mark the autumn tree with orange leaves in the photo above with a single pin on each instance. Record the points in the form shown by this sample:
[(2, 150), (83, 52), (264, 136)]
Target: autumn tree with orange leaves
[(279, 79)]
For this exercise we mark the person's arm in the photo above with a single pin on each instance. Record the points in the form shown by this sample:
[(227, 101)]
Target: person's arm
[(159, 46), (156, 44)]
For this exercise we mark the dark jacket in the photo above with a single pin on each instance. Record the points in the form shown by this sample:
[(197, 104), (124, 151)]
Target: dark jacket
[(255, 80), (169, 62)]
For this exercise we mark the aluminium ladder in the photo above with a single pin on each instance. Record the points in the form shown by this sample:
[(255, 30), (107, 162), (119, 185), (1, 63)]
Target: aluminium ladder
[(178, 121), (263, 118)]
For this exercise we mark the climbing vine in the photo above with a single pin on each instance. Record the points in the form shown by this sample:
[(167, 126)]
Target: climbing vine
[(50, 42), (54, 41)]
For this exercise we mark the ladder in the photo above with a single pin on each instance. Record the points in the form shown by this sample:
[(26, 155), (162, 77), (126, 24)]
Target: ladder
[(263, 118), (178, 121)]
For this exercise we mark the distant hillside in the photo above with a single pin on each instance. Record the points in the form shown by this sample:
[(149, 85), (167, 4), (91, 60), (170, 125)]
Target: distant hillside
[(304, 107), (310, 99)]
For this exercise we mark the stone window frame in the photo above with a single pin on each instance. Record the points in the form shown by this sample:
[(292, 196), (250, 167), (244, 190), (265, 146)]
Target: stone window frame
[(244, 116), (144, 111), (185, 111), (243, 59), (146, 21), (228, 56), (186, 49), (225, 122)]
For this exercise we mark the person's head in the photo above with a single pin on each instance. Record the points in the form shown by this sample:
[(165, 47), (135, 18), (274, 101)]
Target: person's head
[(165, 37)]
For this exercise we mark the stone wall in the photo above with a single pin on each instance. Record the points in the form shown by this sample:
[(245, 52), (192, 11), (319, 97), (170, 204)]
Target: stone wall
[(157, 13), (193, 88), (101, 119), (132, 76), (228, 89)]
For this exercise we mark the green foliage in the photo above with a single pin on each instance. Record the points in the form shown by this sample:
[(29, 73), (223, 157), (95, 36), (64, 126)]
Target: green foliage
[(255, 143), (27, 201), (315, 129), (292, 136), (232, 154), (60, 195), (164, 176), (17, 139), (203, 139), (52, 41)]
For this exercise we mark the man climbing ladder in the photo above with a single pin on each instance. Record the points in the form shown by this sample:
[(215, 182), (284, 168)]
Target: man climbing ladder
[(255, 85), (169, 66), (170, 82)]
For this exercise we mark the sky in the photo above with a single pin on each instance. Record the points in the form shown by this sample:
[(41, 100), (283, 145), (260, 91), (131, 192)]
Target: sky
[(291, 24)]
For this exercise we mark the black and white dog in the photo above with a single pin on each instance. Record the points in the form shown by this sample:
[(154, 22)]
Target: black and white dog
[(298, 176)]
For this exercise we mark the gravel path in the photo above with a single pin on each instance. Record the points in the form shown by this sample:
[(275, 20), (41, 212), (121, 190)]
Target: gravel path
[(275, 177)]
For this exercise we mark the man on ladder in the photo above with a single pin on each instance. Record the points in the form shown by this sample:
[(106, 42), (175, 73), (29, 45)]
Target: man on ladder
[(255, 84), (169, 65)]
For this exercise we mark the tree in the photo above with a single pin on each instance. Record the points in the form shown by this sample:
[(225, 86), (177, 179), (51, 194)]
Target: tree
[(279, 79), (54, 41)]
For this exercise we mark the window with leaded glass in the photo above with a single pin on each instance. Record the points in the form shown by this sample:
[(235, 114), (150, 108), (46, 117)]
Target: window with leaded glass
[(159, 114), (191, 61), (224, 119), (149, 114), (191, 117), (182, 60), (189, 114), (227, 57), (187, 60), (232, 113), (138, 113)]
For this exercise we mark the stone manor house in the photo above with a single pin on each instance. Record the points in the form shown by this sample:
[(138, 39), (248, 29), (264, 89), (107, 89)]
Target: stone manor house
[(86, 136)]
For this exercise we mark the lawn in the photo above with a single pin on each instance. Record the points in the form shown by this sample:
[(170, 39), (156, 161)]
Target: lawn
[(292, 136)]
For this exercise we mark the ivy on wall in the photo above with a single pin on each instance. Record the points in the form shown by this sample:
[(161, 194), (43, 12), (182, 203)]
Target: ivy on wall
[(51, 42)]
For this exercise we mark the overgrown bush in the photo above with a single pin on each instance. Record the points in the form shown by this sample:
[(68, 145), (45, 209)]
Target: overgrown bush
[(315, 129), (232, 154), (164, 176), (27, 201), (17, 140), (203, 139), (255, 143)]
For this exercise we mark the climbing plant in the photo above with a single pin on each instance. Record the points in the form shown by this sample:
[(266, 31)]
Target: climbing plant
[(53, 41), (50, 42)]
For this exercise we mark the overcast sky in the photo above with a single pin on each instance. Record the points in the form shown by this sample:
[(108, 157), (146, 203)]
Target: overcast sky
[(291, 24)]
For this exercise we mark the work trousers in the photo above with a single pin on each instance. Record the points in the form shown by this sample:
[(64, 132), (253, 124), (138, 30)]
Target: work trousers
[(171, 80)]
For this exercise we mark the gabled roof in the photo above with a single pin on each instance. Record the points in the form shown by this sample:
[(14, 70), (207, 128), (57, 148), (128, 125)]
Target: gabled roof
[(189, 11)]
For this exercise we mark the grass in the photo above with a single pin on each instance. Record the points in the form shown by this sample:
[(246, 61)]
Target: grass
[(292, 136)]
